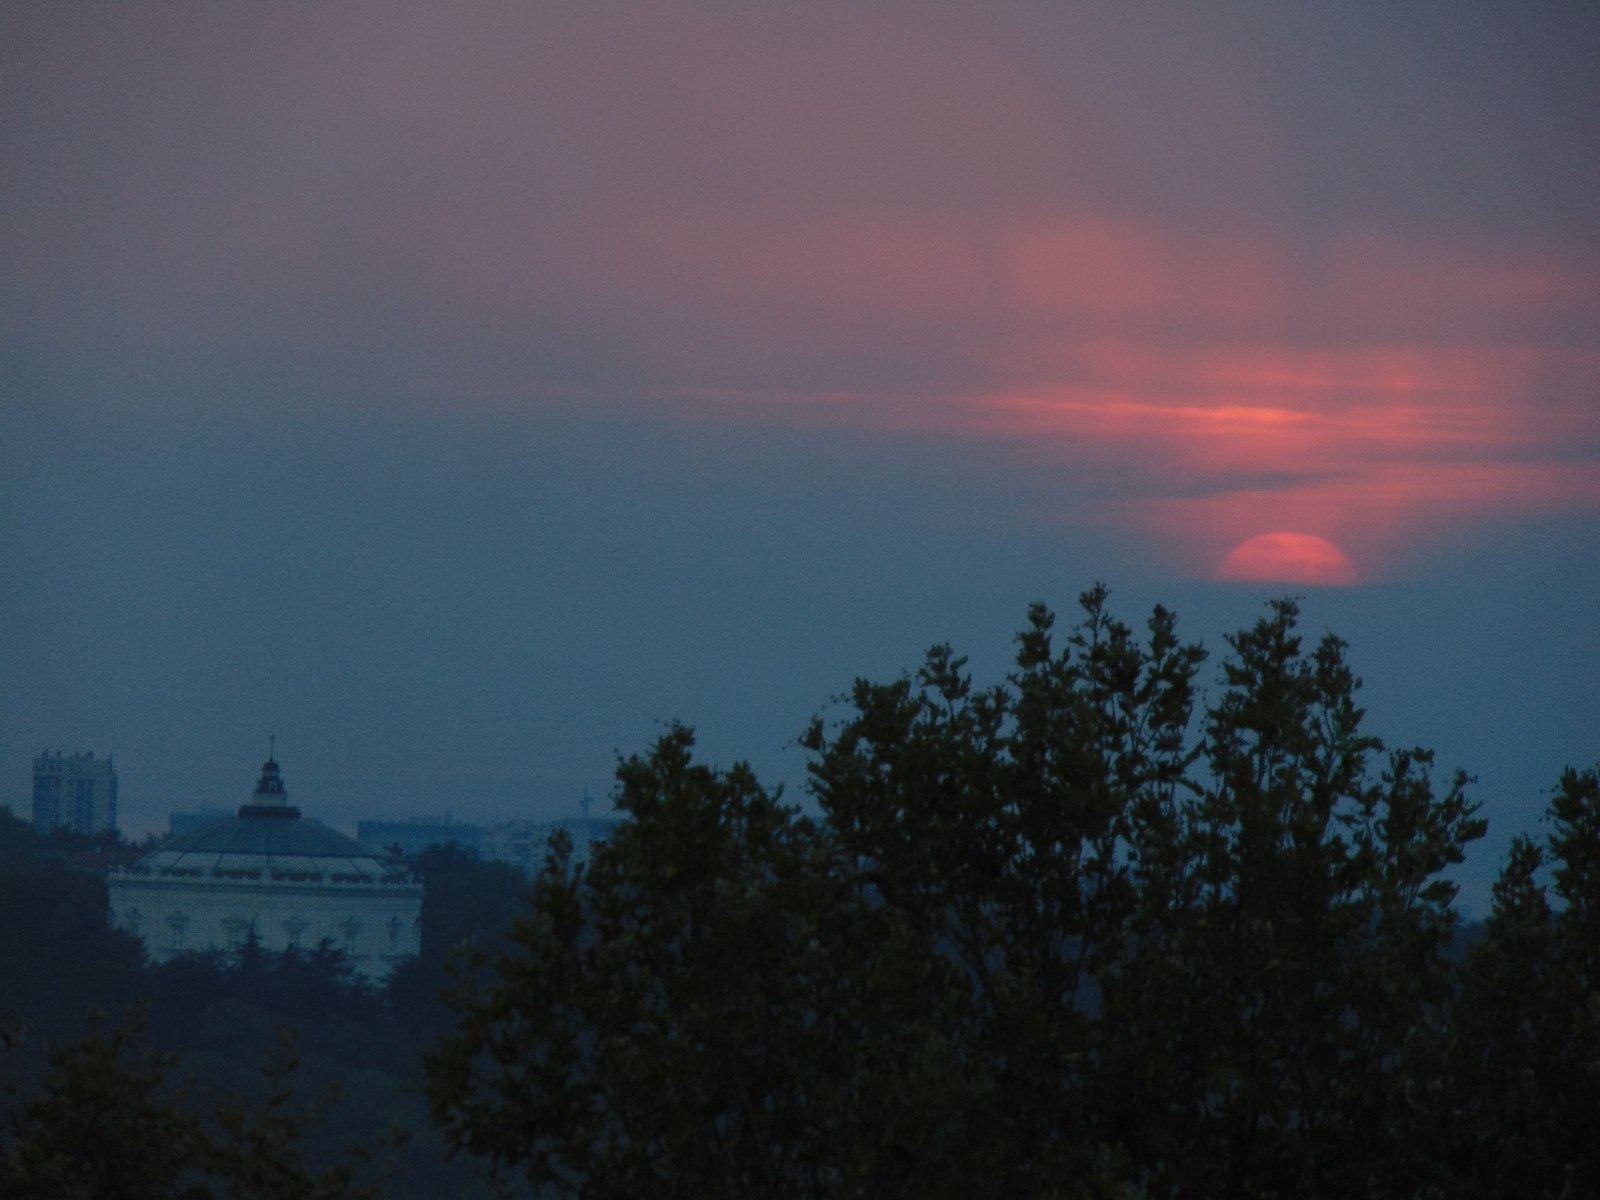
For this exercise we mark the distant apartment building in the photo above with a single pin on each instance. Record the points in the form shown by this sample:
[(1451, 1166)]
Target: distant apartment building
[(415, 836), (74, 791)]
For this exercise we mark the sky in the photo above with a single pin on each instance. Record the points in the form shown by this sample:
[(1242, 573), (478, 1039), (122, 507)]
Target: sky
[(458, 393)]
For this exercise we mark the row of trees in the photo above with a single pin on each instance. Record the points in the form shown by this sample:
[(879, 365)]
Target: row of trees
[(1069, 935)]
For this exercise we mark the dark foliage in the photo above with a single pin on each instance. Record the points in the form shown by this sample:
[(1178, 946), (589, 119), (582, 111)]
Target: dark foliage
[(717, 1007), (1519, 1096), (102, 1125), (1070, 935), (468, 906), (58, 958), (106, 1123)]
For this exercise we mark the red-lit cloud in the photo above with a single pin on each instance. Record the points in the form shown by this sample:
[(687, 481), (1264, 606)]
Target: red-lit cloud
[(1377, 447), (1204, 390)]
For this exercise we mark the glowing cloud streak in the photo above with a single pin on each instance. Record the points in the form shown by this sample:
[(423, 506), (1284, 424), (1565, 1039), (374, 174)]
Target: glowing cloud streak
[(1428, 397)]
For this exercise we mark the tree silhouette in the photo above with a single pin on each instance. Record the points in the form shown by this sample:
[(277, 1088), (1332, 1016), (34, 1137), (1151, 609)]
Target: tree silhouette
[(1050, 937)]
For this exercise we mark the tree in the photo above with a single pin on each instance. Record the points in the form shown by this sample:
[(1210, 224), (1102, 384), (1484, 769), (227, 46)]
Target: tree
[(58, 955), (1001, 822), (258, 1148), (108, 1122), (1312, 944), (714, 1007), (1205, 953), (1522, 1102), (103, 1125), (1050, 937), (467, 904)]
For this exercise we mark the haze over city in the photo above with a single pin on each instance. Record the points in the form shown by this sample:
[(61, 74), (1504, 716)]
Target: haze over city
[(459, 393)]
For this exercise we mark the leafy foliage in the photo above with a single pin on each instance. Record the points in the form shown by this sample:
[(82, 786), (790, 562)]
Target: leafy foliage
[(106, 1123), (58, 957), (467, 905), (102, 1126), (716, 1006), (1206, 953), (1065, 935), (258, 1149), (1523, 1070)]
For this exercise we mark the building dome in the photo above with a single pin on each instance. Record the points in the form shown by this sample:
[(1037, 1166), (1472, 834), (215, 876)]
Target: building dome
[(268, 838)]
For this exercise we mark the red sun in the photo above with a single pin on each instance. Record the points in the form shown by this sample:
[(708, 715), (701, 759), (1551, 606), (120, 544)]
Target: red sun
[(1289, 558)]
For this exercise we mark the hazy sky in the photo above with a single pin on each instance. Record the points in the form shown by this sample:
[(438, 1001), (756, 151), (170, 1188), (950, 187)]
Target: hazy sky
[(457, 392)]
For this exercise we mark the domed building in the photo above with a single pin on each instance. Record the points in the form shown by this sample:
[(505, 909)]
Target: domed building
[(293, 881)]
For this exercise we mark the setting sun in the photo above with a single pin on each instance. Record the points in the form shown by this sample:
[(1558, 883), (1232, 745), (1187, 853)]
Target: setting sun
[(1289, 558)]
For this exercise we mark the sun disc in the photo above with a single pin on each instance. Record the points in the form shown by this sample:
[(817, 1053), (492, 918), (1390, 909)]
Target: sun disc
[(1289, 558)]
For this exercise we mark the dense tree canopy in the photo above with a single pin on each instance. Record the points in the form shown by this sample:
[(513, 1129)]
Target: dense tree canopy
[(58, 955), (1084, 932), (715, 1004), (107, 1123), (1521, 1088)]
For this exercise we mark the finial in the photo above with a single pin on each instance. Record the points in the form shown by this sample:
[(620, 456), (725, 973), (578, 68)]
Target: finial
[(269, 798)]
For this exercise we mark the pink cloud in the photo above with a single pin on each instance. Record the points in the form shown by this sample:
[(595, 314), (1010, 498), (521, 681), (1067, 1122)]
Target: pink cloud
[(1217, 434), (1375, 448)]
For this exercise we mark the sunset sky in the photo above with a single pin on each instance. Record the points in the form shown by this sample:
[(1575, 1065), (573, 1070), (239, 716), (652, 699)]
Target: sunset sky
[(459, 391)]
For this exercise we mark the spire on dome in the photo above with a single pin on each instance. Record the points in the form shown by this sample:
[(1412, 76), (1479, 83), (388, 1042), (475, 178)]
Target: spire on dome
[(269, 799)]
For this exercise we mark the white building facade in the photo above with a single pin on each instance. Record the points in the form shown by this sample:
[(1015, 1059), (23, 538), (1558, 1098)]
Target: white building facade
[(293, 882)]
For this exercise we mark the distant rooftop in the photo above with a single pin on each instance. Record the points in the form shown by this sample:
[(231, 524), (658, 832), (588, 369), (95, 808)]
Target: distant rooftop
[(267, 834)]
